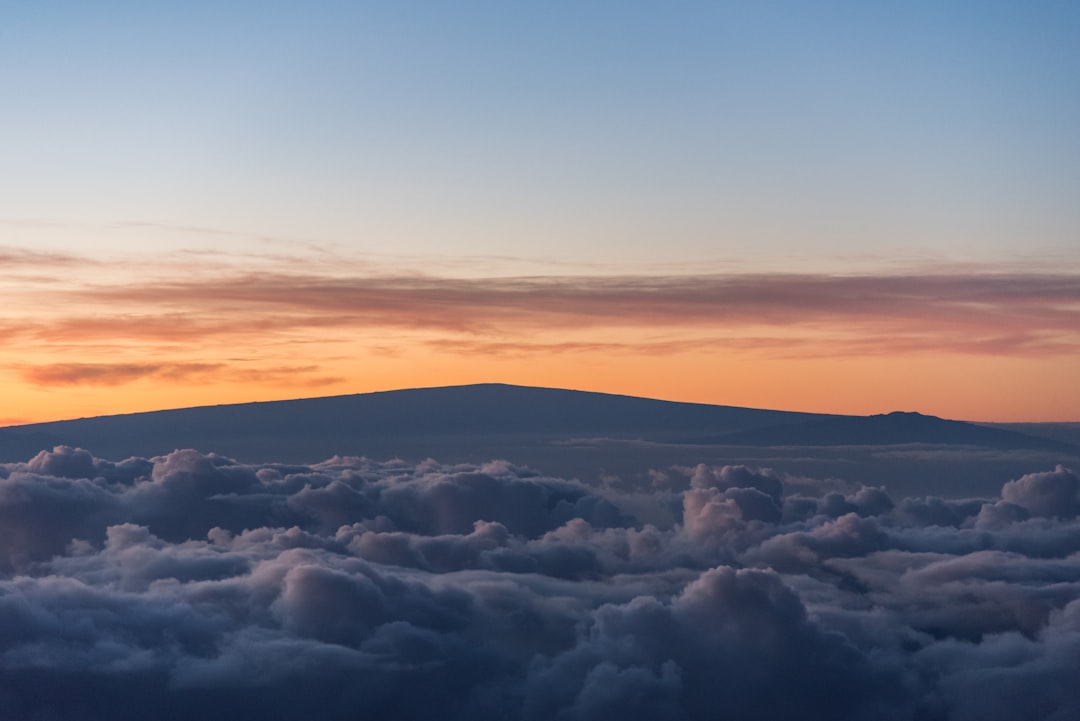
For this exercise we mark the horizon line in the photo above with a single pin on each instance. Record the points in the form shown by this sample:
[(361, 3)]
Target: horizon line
[(508, 385)]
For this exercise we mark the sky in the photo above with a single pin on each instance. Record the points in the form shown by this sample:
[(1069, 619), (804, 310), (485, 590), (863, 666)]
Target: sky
[(833, 207)]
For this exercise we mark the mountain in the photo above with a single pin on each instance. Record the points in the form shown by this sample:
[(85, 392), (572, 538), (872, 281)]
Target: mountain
[(1068, 433), (402, 422), (574, 434), (896, 428)]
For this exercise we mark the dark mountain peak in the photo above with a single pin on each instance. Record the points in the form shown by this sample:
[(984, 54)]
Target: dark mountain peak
[(382, 422), (895, 428), (469, 420)]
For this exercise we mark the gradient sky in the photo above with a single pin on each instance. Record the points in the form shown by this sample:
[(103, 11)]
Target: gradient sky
[(830, 206)]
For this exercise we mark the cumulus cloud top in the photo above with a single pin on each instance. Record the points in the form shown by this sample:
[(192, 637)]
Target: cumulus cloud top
[(191, 585)]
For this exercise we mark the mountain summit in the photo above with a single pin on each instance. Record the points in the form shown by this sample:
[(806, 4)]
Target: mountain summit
[(389, 423), (896, 428), (477, 420)]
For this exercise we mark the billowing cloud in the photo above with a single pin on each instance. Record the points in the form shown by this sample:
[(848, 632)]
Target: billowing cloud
[(191, 585), (1053, 494)]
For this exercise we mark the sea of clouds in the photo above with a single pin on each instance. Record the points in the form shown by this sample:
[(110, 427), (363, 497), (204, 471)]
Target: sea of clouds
[(193, 586)]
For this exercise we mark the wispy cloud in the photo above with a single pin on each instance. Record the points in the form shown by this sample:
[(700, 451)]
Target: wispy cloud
[(779, 347), (976, 313), (957, 309), (15, 258), (1047, 300), (113, 374)]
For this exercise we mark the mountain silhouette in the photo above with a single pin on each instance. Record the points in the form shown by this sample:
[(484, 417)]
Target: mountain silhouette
[(895, 428), (388, 422), (457, 423)]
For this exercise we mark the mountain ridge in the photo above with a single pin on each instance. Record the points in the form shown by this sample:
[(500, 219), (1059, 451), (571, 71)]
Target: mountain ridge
[(476, 419), (895, 428), (399, 392), (354, 423)]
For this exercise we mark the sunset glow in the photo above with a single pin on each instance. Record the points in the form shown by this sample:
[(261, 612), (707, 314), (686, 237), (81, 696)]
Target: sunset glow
[(572, 360), (838, 211), (92, 337)]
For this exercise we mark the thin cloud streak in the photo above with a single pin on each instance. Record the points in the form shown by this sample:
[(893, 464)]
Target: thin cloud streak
[(114, 374), (779, 315), (783, 348), (1022, 314), (779, 299), (17, 258)]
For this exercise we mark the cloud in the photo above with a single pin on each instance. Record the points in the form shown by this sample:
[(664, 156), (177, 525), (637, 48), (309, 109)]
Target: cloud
[(1018, 343), (1040, 301), (1054, 494), (113, 374), (193, 585), (778, 314), (14, 257)]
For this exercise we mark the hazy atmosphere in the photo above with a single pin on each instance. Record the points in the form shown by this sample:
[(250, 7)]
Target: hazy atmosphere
[(827, 207), (556, 361)]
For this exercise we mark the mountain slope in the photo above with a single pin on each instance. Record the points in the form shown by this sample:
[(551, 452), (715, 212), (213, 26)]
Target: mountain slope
[(887, 429), (390, 422), (575, 431)]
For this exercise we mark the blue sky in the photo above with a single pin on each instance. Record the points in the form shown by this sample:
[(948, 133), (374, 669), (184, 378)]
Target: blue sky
[(599, 131)]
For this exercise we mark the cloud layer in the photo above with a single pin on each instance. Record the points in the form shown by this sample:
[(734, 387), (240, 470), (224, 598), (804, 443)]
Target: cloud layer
[(1005, 311), (176, 299), (193, 586)]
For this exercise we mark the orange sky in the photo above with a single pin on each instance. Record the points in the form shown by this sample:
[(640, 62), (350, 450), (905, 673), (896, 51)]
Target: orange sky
[(91, 336), (789, 206)]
